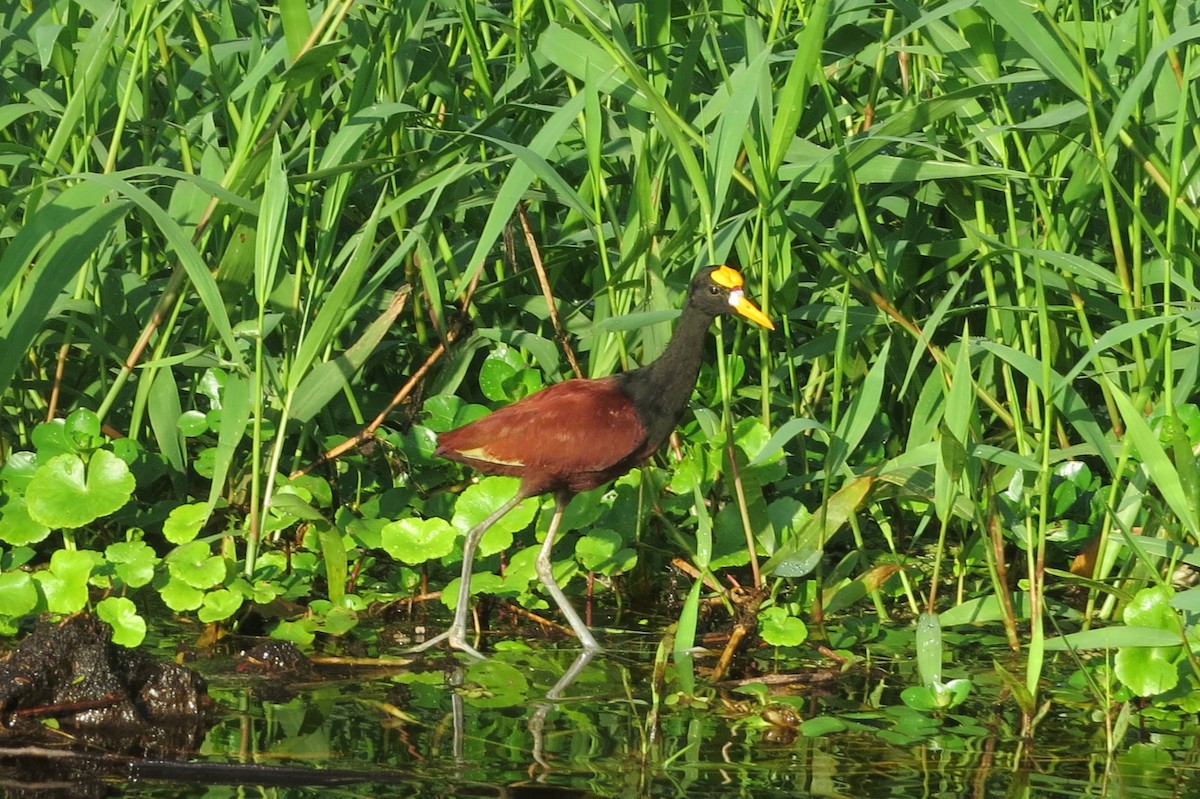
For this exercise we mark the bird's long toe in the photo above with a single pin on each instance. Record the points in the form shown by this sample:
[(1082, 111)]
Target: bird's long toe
[(453, 639)]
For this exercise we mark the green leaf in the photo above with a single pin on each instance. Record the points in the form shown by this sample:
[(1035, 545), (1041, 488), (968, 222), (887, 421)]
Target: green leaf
[(414, 541), (18, 594), (779, 628), (791, 99), (800, 554), (180, 245), (1114, 637), (1150, 670), (196, 566), (481, 500), (50, 247), (530, 163), (17, 527), (503, 684), (134, 561), (481, 583), (234, 400), (184, 522), (66, 493), (18, 470), (129, 628), (82, 427), (822, 725), (1031, 33), (919, 697), (65, 583), (219, 605), (929, 649), (603, 551), (497, 373), (1155, 461), (337, 621), (1020, 691), (333, 556), (50, 438), (584, 59), (326, 379), (1151, 607), (166, 416), (296, 25), (192, 423), (179, 596), (294, 631), (725, 144)]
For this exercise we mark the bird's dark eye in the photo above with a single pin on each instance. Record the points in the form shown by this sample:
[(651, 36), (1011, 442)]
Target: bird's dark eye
[(714, 290)]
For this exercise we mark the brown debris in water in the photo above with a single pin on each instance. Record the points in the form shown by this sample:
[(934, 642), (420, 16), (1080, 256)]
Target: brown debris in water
[(97, 693)]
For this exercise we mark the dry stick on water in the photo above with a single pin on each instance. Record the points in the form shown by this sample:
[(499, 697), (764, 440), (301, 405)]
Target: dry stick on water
[(735, 640), (533, 617), (539, 267)]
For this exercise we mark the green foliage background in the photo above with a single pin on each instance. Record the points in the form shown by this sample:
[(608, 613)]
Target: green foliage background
[(231, 232)]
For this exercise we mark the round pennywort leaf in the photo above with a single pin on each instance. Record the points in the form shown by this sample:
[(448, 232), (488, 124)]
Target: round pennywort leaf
[(134, 561), (129, 629), (65, 583), (219, 605), (192, 423), (779, 628), (480, 500), (18, 594), (83, 429), (184, 522), (17, 527), (179, 596), (195, 565), (415, 541), (66, 493)]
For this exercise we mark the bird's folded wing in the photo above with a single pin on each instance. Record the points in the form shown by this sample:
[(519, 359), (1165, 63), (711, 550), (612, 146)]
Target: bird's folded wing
[(571, 427)]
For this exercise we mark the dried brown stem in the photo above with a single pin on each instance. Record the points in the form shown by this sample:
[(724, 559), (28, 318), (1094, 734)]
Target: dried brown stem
[(735, 640), (696, 574), (739, 490), (539, 267)]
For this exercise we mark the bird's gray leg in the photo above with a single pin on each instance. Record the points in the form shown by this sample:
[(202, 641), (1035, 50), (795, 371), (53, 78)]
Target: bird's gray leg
[(546, 575), (455, 637)]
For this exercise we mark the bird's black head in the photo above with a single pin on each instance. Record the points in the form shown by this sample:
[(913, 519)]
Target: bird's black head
[(719, 290)]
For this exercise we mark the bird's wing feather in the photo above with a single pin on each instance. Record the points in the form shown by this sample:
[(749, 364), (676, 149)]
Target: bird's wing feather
[(567, 428)]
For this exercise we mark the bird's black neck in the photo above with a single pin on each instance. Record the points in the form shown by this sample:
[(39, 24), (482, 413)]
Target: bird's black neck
[(660, 390)]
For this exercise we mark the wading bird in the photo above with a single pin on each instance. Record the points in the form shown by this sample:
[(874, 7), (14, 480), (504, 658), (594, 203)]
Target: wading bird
[(579, 434)]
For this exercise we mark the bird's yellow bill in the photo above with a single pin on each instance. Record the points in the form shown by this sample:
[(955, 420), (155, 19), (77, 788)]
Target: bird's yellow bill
[(749, 310)]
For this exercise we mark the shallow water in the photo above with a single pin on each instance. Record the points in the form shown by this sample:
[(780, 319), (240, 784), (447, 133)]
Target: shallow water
[(446, 726)]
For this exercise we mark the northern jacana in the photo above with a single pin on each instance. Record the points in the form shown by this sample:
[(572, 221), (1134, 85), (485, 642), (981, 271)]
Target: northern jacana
[(579, 434)]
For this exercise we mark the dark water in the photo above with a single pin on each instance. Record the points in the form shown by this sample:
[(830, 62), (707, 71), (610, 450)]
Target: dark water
[(444, 726)]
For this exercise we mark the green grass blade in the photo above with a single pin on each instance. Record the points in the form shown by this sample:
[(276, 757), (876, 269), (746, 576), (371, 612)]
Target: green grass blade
[(531, 162), (791, 100), (1031, 34), (1154, 459), (55, 243)]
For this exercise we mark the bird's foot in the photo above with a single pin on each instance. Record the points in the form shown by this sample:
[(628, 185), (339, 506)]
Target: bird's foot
[(453, 638)]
